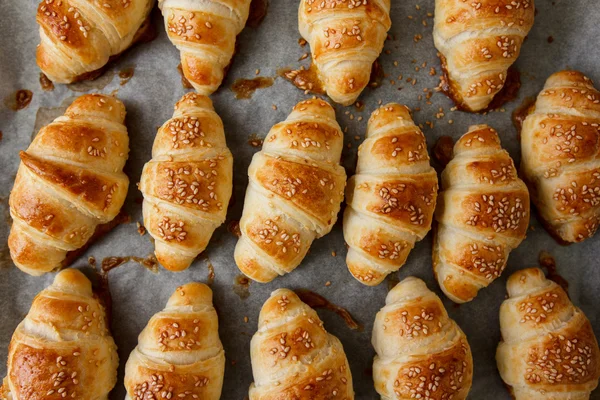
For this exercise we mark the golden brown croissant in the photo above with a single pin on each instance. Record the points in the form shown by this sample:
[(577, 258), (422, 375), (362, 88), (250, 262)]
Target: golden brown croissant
[(478, 42), (483, 213), (421, 352), (70, 181), (205, 33), (187, 184), (79, 37), (179, 354), (295, 190), (391, 198), (548, 349), (62, 349), (345, 38), (293, 356), (560, 141)]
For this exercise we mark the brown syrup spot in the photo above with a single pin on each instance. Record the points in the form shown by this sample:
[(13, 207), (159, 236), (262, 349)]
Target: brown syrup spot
[(110, 263), (141, 229), (392, 281), (255, 141), (521, 112), (101, 231), (101, 289), (550, 39), (46, 84), (1, 136), (245, 88), (377, 75), (241, 286), (315, 300), (360, 106), (184, 81), (303, 79), (258, 12), (302, 42), (211, 272), (443, 150), (19, 100), (234, 228), (126, 74), (547, 261), (509, 91)]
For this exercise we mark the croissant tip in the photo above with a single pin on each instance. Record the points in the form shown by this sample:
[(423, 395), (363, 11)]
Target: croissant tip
[(73, 278), (191, 293)]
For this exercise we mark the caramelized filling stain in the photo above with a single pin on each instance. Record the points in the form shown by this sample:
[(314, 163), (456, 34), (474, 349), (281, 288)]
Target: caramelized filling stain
[(377, 75), (110, 263), (46, 84), (126, 74), (258, 12), (19, 100), (102, 291), (302, 42), (255, 141), (509, 91), (234, 228), (304, 79), (547, 261), (315, 300), (245, 88), (241, 286), (443, 150), (521, 112)]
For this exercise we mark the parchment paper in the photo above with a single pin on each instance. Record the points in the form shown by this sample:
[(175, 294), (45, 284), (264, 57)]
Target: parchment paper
[(571, 27)]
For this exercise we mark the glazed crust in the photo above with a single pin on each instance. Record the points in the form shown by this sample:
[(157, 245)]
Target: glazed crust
[(345, 39), (295, 190), (70, 181), (478, 41), (392, 197), (188, 183), (548, 350), (419, 347), (205, 34), (79, 37), (560, 142), (179, 353), (482, 214), (62, 349), (293, 357)]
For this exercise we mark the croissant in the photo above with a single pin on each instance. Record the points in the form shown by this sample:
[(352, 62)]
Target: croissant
[(391, 199), (478, 41), (70, 180), (293, 356), (421, 352), (79, 37), (188, 183), (482, 214), (560, 142), (205, 33), (345, 38), (548, 349), (179, 353), (62, 349), (295, 190)]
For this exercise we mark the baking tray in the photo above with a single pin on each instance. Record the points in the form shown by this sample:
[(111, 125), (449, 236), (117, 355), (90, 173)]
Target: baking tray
[(565, 35)]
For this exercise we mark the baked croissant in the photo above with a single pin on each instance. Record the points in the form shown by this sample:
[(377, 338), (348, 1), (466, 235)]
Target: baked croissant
[(62, 349), (391, 199), (69, 182), (478, 41), (179, 353), (187, 184), (205, 33), (548, 349), (78, 38), (421, 352), (293, 356), (295, 190), (345, 38), (482, 214), (560, 142)]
